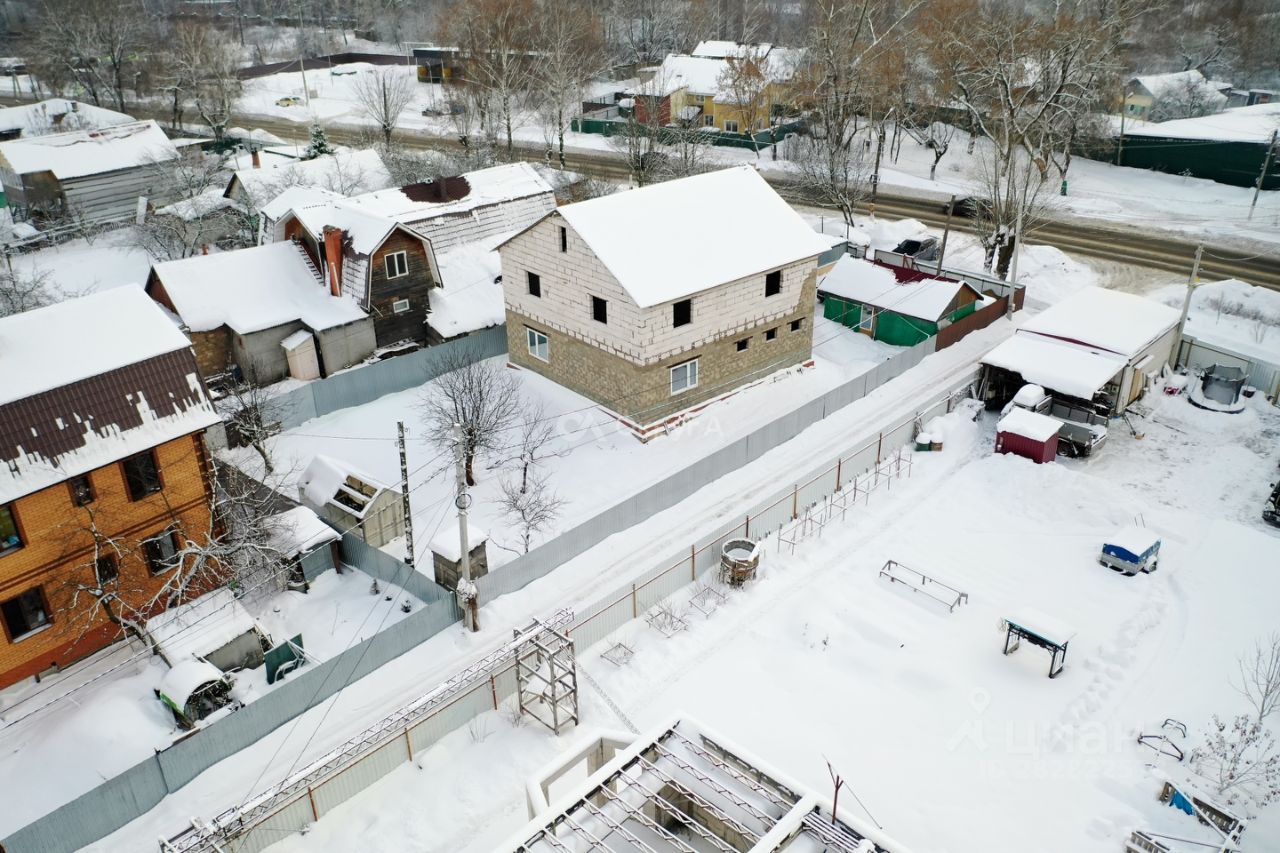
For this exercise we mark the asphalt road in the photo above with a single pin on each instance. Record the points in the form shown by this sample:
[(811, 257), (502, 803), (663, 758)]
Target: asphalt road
[(1079, 235)]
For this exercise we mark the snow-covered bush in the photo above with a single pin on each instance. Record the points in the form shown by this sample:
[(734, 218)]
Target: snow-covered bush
[(1239, 759)]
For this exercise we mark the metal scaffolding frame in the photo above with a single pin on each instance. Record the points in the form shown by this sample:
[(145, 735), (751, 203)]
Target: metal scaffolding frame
[(546, 676)]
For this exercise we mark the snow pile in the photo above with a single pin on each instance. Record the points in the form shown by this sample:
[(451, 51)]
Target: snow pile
[(253, 289), (89, 152), (1231, 314), (749, 231), (298, 531)]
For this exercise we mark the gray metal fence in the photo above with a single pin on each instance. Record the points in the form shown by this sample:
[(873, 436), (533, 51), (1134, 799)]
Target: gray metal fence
[(123, 798), (367, 383)]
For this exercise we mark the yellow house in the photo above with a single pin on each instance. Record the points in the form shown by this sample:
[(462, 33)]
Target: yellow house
[(725, 86)]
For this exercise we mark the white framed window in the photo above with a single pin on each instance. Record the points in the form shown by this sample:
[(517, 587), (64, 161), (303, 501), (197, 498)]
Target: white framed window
[(400, 306), (539, 347), (397, 264), (684, 376), (730, 126)]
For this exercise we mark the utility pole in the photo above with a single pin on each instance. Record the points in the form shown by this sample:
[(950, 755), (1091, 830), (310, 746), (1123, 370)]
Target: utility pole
[(1266, 164), (302, 57), (468, 600), (1192, 283), (1124, 98), (1013, 271), (404, 499), (946, 231)]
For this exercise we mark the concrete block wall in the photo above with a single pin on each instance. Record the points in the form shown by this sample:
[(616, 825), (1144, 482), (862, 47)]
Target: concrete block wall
[(643, 335)]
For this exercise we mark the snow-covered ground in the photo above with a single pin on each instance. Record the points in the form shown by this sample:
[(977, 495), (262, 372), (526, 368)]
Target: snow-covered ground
[(1096, 189), (586, 441), (945, 742), (66, 749), (1231, 314)]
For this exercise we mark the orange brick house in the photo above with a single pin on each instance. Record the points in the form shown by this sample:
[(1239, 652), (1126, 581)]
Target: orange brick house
[(103, 471)]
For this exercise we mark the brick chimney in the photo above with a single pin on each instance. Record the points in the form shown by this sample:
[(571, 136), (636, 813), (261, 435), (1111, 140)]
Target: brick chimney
[(256, 158), (333, 257)]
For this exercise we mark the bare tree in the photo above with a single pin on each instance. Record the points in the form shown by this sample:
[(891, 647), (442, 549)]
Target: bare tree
[(532, 507), (237, 545), (1240, 760), (98, 43), (744, 83), (252, 418), (534, 443), (1260, 676), (938, 140), (1011, 192), (495, 39), (26, 290), (482, 397), (382, 95), (206, 63), (570, 53), (846, 37), (194, 215)]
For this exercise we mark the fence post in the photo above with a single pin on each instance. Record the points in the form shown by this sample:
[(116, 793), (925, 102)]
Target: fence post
[(408, 742), (493, 689), (315, 813), (795, 502), (747, 535), (879, 446), (839, 463), (635, 613), (693, 563)]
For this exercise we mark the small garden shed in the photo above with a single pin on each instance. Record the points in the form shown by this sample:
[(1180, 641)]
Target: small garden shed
[(869, 297), (352, 500), (1029, 434)]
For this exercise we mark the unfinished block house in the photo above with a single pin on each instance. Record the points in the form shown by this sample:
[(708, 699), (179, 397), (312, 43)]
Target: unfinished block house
[(656, 300)]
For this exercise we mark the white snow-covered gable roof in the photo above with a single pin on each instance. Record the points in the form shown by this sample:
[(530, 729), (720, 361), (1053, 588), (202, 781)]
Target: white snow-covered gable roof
[(89, 152), (364, 228), (667, 241), (700, 75), (1065, 368), (346, 171), (871, 284), (253, 289), (493, 185), (297, 197), (469, 299), (1173, 83), (51, 347), (1239, 124), (1106, 319), (58, 113)]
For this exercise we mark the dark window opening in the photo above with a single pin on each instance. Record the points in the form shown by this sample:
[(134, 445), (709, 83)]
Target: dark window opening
[(81, 490), (141, 475), (599, 310), (682, 313), (106, 569), (25, 613), (535, 284), (773, 283), (564, 239), (743, 344), (797, 325), (10, 539), (770, 335), (161, 552)]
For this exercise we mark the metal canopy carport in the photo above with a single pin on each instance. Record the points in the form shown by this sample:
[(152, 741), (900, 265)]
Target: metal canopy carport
[(1059, 366)]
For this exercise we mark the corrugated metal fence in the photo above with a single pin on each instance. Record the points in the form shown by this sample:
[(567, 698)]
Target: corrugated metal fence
[(123, 798)]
